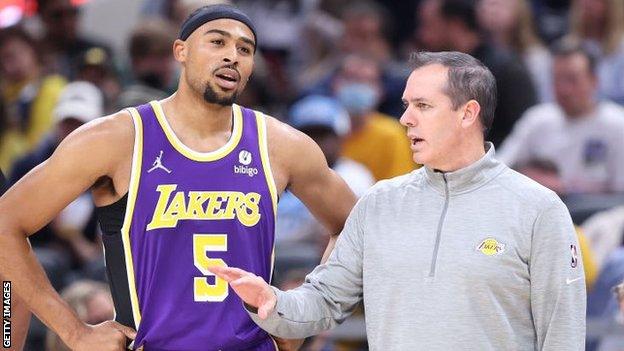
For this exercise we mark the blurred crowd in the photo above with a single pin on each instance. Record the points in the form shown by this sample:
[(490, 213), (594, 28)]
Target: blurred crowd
[(335, 69)]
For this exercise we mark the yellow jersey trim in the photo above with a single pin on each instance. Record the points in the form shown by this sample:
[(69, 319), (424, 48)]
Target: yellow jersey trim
[(266, 166), (274, 342), (223, 151), (135, 175)]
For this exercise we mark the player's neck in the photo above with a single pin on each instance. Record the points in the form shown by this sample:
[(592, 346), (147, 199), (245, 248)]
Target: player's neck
[(197, 114)]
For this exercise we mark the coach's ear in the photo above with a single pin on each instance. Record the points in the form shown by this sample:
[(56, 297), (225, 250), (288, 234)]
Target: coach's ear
[(179, 50), (470, 115)]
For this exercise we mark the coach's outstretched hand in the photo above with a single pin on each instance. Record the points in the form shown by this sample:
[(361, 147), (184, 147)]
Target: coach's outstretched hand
[(252, 289), (109, 336)]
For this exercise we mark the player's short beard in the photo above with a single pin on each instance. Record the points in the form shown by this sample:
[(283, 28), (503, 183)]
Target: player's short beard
[(211, 96)]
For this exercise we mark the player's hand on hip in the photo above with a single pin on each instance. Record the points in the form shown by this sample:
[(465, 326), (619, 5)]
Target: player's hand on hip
[(252, 289), (106, 336)]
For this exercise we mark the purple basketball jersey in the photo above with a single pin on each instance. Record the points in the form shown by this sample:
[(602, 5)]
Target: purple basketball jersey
[(187, 211)]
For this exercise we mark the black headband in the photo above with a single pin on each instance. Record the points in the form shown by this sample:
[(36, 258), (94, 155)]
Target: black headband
[(211, 13)]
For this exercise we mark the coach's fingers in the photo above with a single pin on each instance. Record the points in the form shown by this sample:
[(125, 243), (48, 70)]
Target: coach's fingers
[(127, 331), (224, 273), (228, 273), (265, 309), (240, 272), (248, 281)]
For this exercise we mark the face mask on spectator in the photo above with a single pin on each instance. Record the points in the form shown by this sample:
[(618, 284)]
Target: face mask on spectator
[(357, 98)]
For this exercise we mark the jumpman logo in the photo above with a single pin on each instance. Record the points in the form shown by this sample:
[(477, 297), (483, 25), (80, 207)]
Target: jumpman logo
[(158, 164)]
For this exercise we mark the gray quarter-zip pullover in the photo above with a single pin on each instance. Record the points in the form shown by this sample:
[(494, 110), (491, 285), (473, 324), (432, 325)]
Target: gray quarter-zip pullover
[(482, 258)]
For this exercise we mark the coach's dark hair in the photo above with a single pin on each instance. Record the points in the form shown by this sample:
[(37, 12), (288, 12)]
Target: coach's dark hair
[(468, 79), (570, 46)]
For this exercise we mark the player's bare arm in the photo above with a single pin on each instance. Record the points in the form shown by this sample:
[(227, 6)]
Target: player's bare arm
[(20, 321), (20, 315), (299, 165), (92, 154)]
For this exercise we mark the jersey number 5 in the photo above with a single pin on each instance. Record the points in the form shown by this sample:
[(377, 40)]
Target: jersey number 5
[(202, 290)]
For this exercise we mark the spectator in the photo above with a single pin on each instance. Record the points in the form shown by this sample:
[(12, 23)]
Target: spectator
[(579, 135), (376, 140), (279, 23), (92, 302), (152, 63), (618, 290), (511, 26), (3, 183), (175, 11), (316, 53), (80, 102), (63, 44), (551, 18), (28, 94), (430, 30), (95, 66), (367, 26), (327, 123), (603, 305), (513, 82), (600, 24), (12, 144), (587, 255), (362, 30), (614, 342), (605, 233)]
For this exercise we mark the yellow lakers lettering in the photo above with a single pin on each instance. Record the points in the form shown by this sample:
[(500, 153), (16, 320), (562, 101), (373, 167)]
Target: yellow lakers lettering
[(173, 206)]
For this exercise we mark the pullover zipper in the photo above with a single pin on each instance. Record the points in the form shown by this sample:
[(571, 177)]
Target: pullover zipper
[(434, 258)]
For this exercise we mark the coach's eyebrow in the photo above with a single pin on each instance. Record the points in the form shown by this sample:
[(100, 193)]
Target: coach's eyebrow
[(417, 100), (414, 100)]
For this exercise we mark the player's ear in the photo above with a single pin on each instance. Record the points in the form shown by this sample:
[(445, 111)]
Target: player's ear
[(180, 49)]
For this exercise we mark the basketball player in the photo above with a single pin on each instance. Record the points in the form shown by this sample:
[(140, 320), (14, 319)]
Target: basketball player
[(181, 184)]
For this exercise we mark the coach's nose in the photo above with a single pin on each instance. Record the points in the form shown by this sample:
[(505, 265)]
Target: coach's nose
[(408, 119)]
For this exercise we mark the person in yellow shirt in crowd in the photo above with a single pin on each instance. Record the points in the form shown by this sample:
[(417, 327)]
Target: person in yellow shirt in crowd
[(376, 140), (11, 142), (28, 95), (589, 263)]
